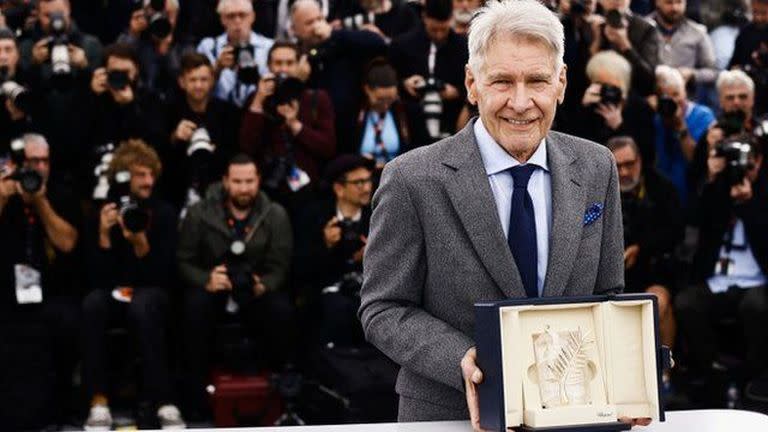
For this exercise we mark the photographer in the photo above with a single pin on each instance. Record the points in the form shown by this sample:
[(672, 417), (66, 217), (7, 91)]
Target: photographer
[(234, 254), (16, 99), (731, 262), (39, 270), (430, 61), (653, 227), (751, 52), (204, 131), (131, 268), (736, 95), (330, 253), (611, 109), (333, 61), (120, 108), (57, 59), (151, 32), (239, 55), (679, 124), (631, 36), (287, 128), (463, 10), (382, 127), (387, 18)]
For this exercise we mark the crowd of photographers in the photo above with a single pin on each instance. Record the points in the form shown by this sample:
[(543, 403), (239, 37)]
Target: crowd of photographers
[(209, 162)]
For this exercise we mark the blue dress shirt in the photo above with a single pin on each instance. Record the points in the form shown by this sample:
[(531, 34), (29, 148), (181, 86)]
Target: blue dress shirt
[(497, 163)]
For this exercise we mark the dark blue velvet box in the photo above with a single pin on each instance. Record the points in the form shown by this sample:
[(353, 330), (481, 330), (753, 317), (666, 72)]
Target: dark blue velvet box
[(626, 362)]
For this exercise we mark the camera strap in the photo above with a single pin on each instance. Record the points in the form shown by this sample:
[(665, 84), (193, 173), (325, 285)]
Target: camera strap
[(431, 59)]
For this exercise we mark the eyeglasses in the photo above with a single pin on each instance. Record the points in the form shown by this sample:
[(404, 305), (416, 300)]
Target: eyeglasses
[(360, 182), (628, 164)]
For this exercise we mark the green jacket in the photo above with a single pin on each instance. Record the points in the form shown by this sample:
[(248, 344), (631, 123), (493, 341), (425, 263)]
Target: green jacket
[(205, 239)]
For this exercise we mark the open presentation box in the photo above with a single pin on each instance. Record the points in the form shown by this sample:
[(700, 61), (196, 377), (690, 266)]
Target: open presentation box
[(569, 363)]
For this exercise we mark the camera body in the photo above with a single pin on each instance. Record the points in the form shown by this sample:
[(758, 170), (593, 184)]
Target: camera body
[(58, 45), (350, 238), (30, 180), (610, 94), (732, 122), (736, 152), (667, 108), (247, 69), (287, 90), (158, 24), (135, 218), (239, 272), (118, 80)]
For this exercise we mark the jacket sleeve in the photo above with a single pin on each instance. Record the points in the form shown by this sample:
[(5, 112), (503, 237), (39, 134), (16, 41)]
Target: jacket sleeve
[(277, 261), (187, 253), (394, 275), (251, 130), (644, 56), (610, 271), (318, 136)]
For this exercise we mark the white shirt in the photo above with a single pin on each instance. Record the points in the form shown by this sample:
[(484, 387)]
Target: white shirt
[(743, 269), (497, 163)]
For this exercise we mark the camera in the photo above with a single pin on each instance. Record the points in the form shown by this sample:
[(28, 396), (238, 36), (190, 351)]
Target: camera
[(200, 143), (118, 79), (247, 69), (736, 152), (732, 122), (432, 105), (667, 108), (610, 94), (158, 24), (30, 180), (59, 44), (103, 157), (760, 131), (350, 238), (239, 272), (614, 19), (355, 22), (135, 218), (287, 89), (17, 94)]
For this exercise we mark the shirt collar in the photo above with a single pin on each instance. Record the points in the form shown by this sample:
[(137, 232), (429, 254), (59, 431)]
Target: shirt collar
[(496, 159), (355, 218)]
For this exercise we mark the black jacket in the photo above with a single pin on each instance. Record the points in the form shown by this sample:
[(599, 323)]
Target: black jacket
[(644, 55), (717, 210), (119, 266), (653, 221), (409, 56)]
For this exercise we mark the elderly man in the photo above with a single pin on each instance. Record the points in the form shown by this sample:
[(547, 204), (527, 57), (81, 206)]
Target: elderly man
[(493, 212), (240, 54)]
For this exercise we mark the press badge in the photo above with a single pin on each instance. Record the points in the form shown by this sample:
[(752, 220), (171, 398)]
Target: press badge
[(297, 179), (28, 284)]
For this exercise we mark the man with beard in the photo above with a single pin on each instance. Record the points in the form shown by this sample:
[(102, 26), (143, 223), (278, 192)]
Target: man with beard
[(685, 44), (462, 14), (131, 271), (653, 226), (234, 253)]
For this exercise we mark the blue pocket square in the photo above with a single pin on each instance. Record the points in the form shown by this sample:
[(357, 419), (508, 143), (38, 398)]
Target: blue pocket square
[(593, 213)]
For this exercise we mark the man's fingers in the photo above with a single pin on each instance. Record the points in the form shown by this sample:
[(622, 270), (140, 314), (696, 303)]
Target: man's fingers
[(477, 376)]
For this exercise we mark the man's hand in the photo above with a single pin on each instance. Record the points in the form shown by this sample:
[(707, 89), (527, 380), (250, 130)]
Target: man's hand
[(8, 188), (99, 81), (630, 256), (258, 287), (184, 130), (742, 192), (77, 57), (715, 165), (596, 23), (644, 421), (13, 111), (714, 136), (472, 377), (358, 256), (218, 280), (591, 95), (40, 51), (226, 58), (612, 115), (618, 37), (413, 83), (686, 72), (35, 198), (449, 93), (290, 113), (322, 30), (107, 218), (304, 69), (138, 23), (332, 233), (123, 96)]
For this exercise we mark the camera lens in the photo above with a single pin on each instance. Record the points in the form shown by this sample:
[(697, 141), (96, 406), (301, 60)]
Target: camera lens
[(117, 79)]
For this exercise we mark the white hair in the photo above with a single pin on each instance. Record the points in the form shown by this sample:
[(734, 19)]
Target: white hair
[(224, 3), (299, 3), (730, 78), (34, 140), (669, 77), (527, 19), (613, 63)]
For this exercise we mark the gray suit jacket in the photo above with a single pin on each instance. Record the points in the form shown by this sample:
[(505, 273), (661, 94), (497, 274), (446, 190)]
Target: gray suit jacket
[(436, 247)]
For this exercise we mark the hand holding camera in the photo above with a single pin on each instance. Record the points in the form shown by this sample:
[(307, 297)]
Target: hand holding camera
[(322, 30), (184, 130), (413, 83), (615, 30), (226, 58), (99, 81), (107, 218), (265, 89), (218, 280), (606, 101), (332, 233), (41, 51), (77, 56)]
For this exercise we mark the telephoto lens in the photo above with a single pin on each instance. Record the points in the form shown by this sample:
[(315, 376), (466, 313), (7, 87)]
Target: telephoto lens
[(30, 180)]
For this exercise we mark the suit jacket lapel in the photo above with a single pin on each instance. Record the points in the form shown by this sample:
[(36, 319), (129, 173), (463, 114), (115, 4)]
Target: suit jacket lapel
[(472, 198), (568, 204)]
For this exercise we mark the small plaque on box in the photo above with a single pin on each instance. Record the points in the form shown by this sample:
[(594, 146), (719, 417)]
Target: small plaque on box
[(569, 363)]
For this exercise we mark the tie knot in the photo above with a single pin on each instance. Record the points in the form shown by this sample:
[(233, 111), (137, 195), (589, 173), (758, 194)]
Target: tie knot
[(521, 174)]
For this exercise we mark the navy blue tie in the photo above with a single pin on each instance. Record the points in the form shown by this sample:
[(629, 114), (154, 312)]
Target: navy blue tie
[(522, 229)]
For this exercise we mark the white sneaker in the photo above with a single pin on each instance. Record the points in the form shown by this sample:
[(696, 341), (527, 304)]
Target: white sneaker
[(99, 419), (170, 417)]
